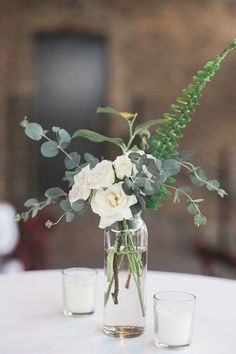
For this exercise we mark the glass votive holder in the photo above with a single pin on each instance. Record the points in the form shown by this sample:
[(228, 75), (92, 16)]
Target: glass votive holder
[(79, 291), (173, 318)]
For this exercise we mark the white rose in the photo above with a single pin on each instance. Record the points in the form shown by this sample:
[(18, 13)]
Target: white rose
[(102, 175), (123, 166), (81, 188), (112, 204)]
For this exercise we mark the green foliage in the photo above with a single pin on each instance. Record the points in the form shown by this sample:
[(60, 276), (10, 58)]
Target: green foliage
[(92, 160), (171, 167), (65, 205), (49, 149), (78, 205), (34, 131), (153, 180), (191, 207), (64, 138), (140, 128), (109, 110), (54, 192), (200, 219), (163, 144), (185, 155), (72, 161), (96, 137), (70, 216), (199, 178)]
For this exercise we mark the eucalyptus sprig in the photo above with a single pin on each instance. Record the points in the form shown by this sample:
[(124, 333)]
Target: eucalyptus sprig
[(153, 159)]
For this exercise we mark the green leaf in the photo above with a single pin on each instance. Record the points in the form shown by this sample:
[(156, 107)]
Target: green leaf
[(78, 205), (191, 207), (55, 129), (146, 125), (176, 197), (126, 115), (198, 177), (70, 216), (221, 192), (171, 167), (17, 217), (49, 149), (163, 144), (135, 209), (185, 155), (30, 203), (64, 138), (153, 203), (185, 189), (24, 216), (213, 185), (24, 122), (171, 180), (141, 201), (34, 131), (65, 205), (96, 137), (72, 161), (108, 110), (200, 219), (54, 192), (127, 186), (92, 160), (34, 211), (147, 187)]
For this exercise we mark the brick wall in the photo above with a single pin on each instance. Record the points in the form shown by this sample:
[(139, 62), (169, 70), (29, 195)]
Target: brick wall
[(154, 48)]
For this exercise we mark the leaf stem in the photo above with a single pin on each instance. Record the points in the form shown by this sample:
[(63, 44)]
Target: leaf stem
[(59, 147), (186, 194)]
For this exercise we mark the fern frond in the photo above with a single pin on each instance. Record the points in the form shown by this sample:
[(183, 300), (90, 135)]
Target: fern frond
[(163, 144)]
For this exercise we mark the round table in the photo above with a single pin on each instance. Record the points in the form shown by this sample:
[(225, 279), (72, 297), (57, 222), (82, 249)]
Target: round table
[(31, 321)]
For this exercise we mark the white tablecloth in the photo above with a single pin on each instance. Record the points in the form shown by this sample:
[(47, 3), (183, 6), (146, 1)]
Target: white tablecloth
[(31, 321)]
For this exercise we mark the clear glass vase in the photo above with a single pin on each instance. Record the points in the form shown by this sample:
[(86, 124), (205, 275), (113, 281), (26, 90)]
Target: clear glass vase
[(125, 277)]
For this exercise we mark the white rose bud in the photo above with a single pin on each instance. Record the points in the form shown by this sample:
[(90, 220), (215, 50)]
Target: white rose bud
[(102, 175), (112, 204), (123, 166), (81, 188)]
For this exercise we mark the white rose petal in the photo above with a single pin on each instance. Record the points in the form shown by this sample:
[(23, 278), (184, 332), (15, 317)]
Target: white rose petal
[(112, 204), (81, 188), (102, 175), (123, 166)]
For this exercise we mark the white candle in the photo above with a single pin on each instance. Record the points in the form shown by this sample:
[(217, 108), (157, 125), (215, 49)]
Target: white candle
[(173, 318), (174, 325), (79, 288)]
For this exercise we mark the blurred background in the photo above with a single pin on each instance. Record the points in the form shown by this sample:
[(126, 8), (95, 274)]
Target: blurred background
[(59, 60)]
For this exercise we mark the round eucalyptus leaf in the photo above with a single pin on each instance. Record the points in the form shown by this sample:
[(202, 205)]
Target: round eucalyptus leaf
[(65, 205), (49, 149), (78, 205), (64, 138), (54, 192), (70, 216), (72, 161), (200, 220), (30, 203), (34, 131), (24, 122), (191, 207), (171, 167)]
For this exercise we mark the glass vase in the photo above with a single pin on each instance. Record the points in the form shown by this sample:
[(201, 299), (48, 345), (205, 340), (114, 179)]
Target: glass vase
[(125, 277)]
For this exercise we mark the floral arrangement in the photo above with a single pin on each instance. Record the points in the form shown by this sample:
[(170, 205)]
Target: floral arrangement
[(141, 177)]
